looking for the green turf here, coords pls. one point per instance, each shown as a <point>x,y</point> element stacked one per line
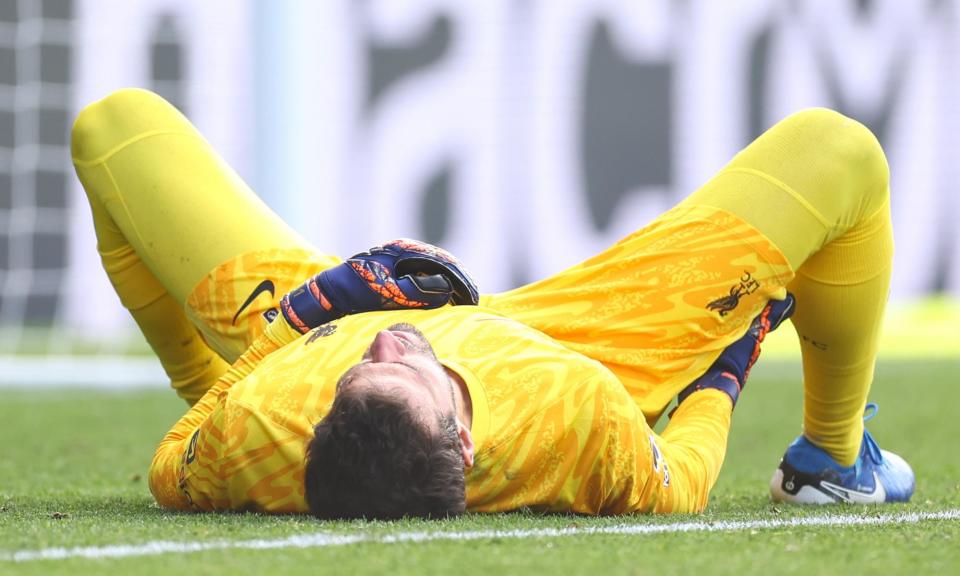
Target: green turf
<point>73,473</point>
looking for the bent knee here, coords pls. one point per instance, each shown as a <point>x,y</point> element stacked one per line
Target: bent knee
<point>104,126</point>
<point>856,156</point>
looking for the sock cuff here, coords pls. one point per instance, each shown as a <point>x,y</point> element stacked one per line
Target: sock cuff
<point>859,255</point>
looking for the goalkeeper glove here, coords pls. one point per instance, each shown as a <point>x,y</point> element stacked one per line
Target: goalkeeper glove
<point>730,371</point>
<point>401,274</point>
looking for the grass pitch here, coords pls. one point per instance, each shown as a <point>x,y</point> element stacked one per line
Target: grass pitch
<point>73,474</point>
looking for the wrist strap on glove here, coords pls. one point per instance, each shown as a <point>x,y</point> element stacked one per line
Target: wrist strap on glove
<point>403,274</point>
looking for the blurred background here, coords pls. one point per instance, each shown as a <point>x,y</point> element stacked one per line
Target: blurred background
<point>523,135</point>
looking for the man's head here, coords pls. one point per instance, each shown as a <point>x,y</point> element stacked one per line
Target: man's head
<point>392,445</point>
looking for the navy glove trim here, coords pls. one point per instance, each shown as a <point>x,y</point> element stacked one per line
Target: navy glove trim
<point>730,370</point>
<point>403,274</point>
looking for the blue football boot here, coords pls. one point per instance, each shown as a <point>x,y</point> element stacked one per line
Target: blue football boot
<point>808,475</point>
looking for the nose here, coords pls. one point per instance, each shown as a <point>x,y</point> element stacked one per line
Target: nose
<point>386,347</point>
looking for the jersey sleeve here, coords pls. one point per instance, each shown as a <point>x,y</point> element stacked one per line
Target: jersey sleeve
<point>673,472</point>
<point>203,425</point>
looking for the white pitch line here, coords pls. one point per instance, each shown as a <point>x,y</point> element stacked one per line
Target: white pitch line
<point>326,539</point>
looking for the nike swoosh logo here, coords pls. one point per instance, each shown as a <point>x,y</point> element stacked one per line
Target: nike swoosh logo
<point>856,496</point>
<point>265,286</point>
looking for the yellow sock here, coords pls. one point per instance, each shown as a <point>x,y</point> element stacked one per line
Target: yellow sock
<point>191,366</point>
<point>845,287</point>
<point>817,185</point>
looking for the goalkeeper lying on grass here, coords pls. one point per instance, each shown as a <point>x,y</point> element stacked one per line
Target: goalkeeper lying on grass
<point>384,386</point>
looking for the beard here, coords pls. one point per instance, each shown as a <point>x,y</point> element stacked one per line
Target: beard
<point>418,343</point>
<point>412,339</point>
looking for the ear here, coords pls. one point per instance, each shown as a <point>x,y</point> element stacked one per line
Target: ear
<point>466,444</point>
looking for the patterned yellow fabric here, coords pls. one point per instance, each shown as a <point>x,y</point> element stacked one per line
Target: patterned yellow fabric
<point>221,305</point>
<point>658,307</point>
<point>557,371</point>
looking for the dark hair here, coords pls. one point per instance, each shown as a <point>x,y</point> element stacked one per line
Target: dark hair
<point>370,457</point>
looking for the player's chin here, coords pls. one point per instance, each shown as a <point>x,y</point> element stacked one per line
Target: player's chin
<point>406,327</point>
<point>418,342</point>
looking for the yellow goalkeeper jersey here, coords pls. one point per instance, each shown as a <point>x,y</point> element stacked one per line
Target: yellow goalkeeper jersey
<point>553,429</point>
<point>563,375</point>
